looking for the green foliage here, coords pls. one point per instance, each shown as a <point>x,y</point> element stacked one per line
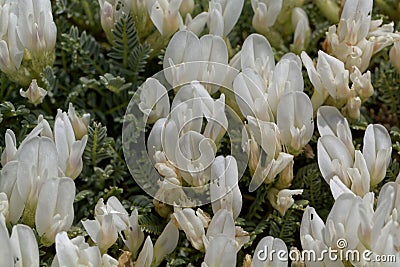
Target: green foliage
<point>127,50</point>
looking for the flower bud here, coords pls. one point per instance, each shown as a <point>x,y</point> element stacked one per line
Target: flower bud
<point>166,243</point>
<point>302,31</point>
<point>80,125</point>
<point>133,235</point>
<point>35,94</point>
<point>55,211</point>
<point>192,225</point>
<point>145,257</point>
<point>10,150</point>
<point>394,54</point>
<point>69,149</point>
<point>166,17</point>
<point>186,7</point>
<point>221,252</point>
<point>282,200</point>
<point>265,13</point>
<point>352,108</point>
<point>362,83</point>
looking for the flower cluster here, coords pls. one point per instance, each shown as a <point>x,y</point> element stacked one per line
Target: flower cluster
<point>27,39</point>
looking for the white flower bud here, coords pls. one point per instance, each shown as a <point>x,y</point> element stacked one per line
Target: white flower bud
<point>224,189</point>
<point>192,225</point>
<point>166,243</point>
<point>302,31</point>
<point>69,149</point>
<point>35,94</point>
<point>145,257</point>
<point>282,200</point>
<point>154,101</point>
<point>265,13</point>
<point>55,211</point>
<point>80,125</point>
<point>377,152</point>
<point>362,83</point>
<point>166,17</point>
<point>186,7</point>
<point>10,149</point>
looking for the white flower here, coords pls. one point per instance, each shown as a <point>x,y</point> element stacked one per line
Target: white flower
<point>287,77</point>
<point>166,17</point>
<point>265,13</point>
<point>191,224</point>
<point>27,27</point>
<point>312,236</point>
<point>55,211</point>
<point>377,152</point>
<point>196,24</point>
<point>214,55</point>
<point>223,16</point>
<point>224,188</point>
<point>179,52</point>
<point>302,31</point>
<point>357,38</point>
<point>133,236</point>
<point>329,78</point>
<point>35,94</point>
<point>282,200</point>
<point>394,54</point>
<point>166,243</point>
<point>80,125</point>
<point>21,249</point>
<point>154,101</point>
<point>10,149</point>
<point>145,257</point>
<point>221,224</point>
<point>23,177</point>
<point>109,220</point>
<point>262,253</point>
<point>266,157</point>
<point>257,54</point>
<point>75,252</point>
<point>186,7</point>
<point>331,122</point>
<point>295,120</point>
<point>110,12</point>
<point>334,159</point>
<point>362,83</point>
<point>221,252</point>
<point>69,149</point>
<point>251,96</point>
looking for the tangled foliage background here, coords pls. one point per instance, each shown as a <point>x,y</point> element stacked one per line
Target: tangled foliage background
<point>99,78</point>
